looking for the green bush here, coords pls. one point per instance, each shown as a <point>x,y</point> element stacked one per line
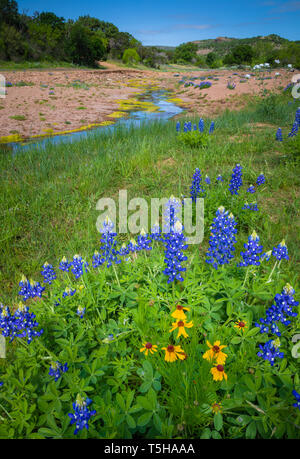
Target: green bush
<point>131,56</point>
<point>193,139</point>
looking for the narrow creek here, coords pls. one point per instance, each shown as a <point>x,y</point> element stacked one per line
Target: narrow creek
<point>159,98</point>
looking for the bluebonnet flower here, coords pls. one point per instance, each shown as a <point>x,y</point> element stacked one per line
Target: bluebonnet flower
<point>48,273</point>
<point>220,178</point>
<point>196,188</point>
<point>251,206</point>
<point>1,383</point>
<point>288,86</point>
<point>269,351</point>
<point>266,256</point>
<point>222,239</point>
<point>21,324</point>
<point>178,126</point>
<point>260,180</point>
<point>185,127</point>
<point>174,243</point>
<point>294,130</point>
<point>195,127</point>
<point>170,214</point>
<point>280,251</point>
<point>297,397</point>
<point>201,125</point>
<point>207,180</point>
<point>108,254</point>
<point>80,311</point>
<point>189,126</point>
<point>56,369</point>
<point>65,265</point>
<point>68,292</point>
<point>144,241</point>
<point>279,312</point>
<point>236,180</point>
<point>30,289</point>
<point>78,264</point>
<point>82,414</point>
<point>156,232</point>
<point>279,135</point>
<point>253,250</point>
<point>212,127</point>
<point>251,189</point>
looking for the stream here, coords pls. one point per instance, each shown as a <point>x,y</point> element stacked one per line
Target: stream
<point>167,110</point>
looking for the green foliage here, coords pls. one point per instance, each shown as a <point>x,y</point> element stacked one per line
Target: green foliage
<point>131,56</point>
<point>186,52</point>
<point>193,139</point>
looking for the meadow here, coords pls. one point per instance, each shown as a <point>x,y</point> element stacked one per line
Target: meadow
<point>115,346</point>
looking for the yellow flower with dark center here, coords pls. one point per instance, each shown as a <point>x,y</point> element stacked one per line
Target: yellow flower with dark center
<point>179,312</point>
<point>173,353</point>
<point>180,325</point>
<point>216,407</point>
<point>218,373</point>
<point>148,347</point>
<point>215,353</point>
<point>241,325</point>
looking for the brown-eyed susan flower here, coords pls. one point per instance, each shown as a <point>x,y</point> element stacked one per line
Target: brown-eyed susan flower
<point>148,347</point>
<point>179,312</point>
<point>180,325</point>
<point>218,373</point>
<point>241,325</point>
<point>173,353</point>
<point>215,353</point>
<point>216,407</point>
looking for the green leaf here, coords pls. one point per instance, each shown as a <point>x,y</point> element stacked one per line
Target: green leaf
<point>130,421</point>
<point>251,430</point>
<point>206,434</point>
<point>144,419</point>
<point>218,421</point>
<point>236,340</point>
<point>120,402</point>
<point>157,422</point>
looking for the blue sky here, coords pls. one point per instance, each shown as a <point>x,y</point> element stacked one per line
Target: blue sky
<point>171,22</point>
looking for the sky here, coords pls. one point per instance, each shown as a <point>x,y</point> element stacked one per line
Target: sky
<point>171,22</point>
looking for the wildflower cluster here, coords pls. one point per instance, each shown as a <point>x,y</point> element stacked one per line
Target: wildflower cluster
<point>48,273</point>
<point>269,351</point>
<point>280,252</point>
<point>56,369</point>
<point>279,312</point>
<point>82,414</point>
<point>253,250</point>
<point>30,289</point>
<point>21,324</point>
<point>175,243</point>
<point>236,180</point>
<point>108,254</point>
<point>222,239</point>
<point>216,356</point>
<point>260,180</point>
<point>251,206</point>
<point>196,188</point>
<point>78,265</point>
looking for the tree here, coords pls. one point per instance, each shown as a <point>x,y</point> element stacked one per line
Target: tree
<point>210,58</point>
<point>186,52</point>
<point>9,12</point>
<point>242,54</point>
<point>131,56</point>
<point>85,47</point>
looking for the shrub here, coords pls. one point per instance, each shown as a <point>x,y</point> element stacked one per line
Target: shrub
<point>193,139</point>
<point>130,56</point>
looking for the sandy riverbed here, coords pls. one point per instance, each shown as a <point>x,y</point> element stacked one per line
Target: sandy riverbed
<point>64,100</point>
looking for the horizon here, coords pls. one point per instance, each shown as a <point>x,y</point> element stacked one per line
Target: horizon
<point>172,27</point>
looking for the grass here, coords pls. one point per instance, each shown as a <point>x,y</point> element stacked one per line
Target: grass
<point>9,65</point>
<point>48,198</point>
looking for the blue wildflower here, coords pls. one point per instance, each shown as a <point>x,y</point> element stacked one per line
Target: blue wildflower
<point>269,351</point>
<point>174,243</point>
<point>56,369</point>
<point>260,180</point>
<point>201,125</point>
<point>196,188</point>
<point>212,127</point>
<point>178,126</point>
<point>82,414</point>
<point>108,254</point>
<point>220,178</point>
<point>252,206</point>
<point>297,397</point>
<point>21,324</point>
<point>78,265</point>
<point>236,180</point>
<point>144,241</point>
<point>279,135</point>
<point>294,130</point>
<point>48,273</point>
<point>280,252</point>
<point>222,239</point>
<point>68,292</point>
<point>80,311</point>
<point>170,214</point>
<point>207,180</point>
<point>253,250</point>
<point>65,265</point>
<point>297,116</point>
<point>251,189</point>
<point>30,289</point>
